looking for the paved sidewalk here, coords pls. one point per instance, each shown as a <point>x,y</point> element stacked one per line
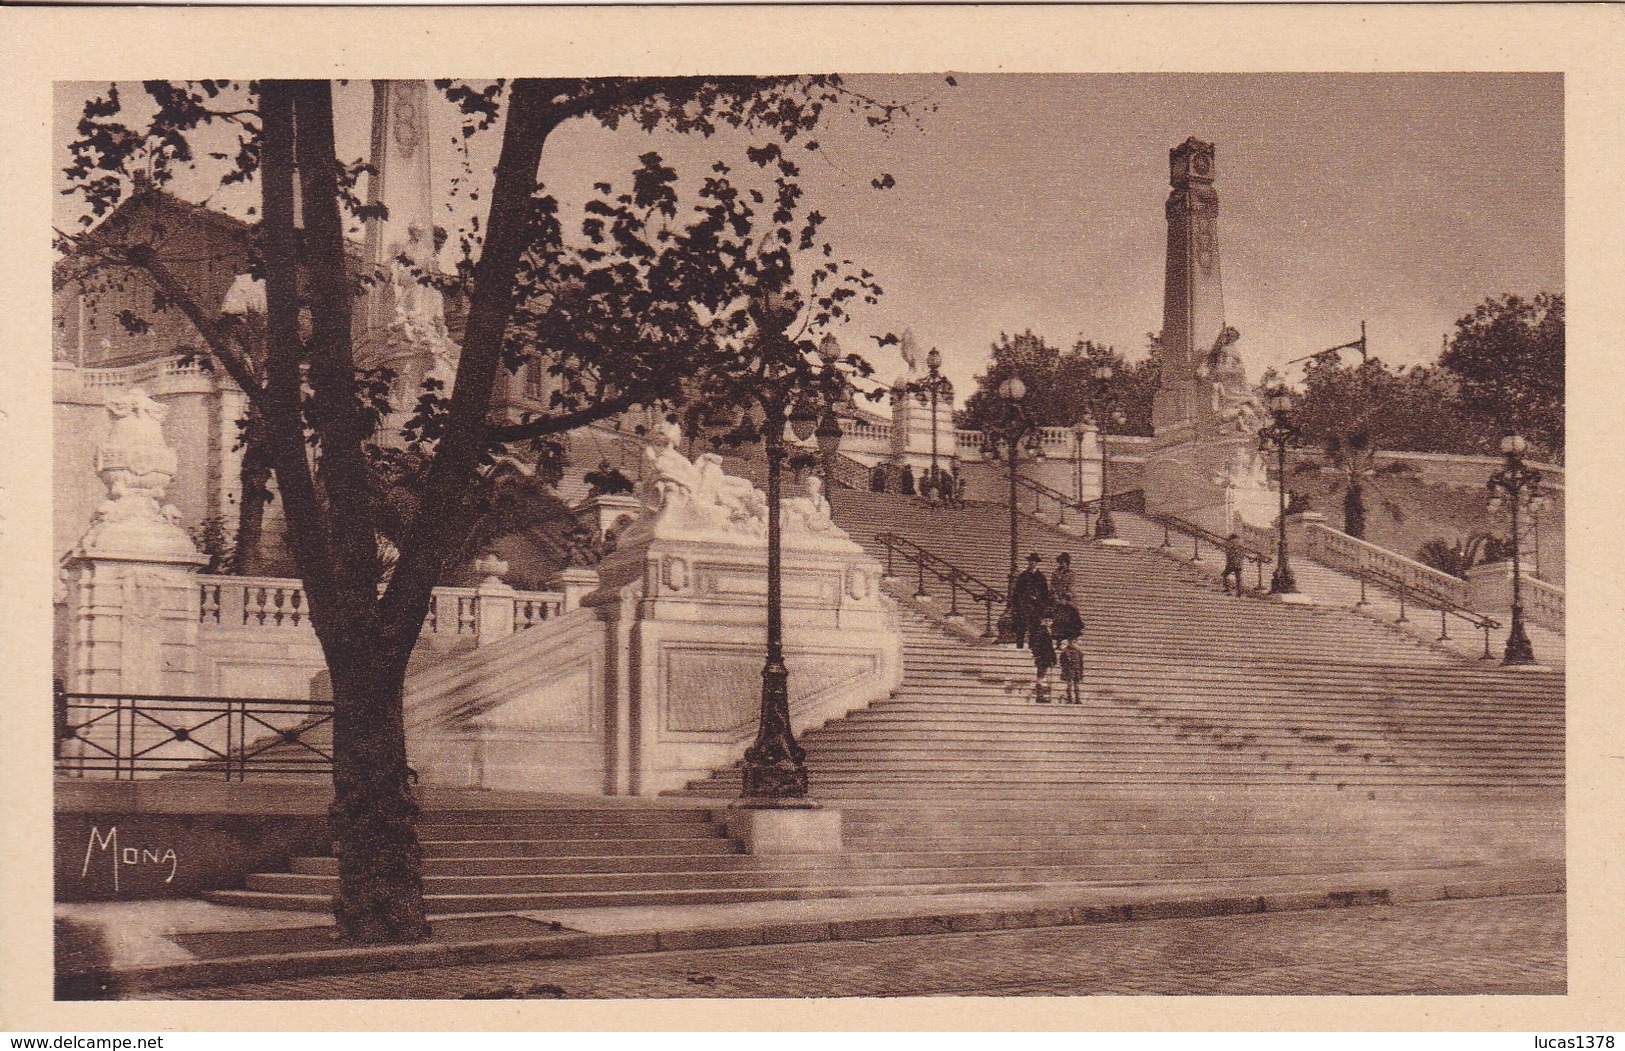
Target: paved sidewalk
<point>1487,946</point>
<point>147,941</point>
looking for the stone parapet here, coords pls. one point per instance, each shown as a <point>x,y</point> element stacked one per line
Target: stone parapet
<point>656,679</point>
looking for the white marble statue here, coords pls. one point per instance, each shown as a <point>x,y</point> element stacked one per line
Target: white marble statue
<point>1235,407</point>
<point>699,498</point>
<point>137,465</point>
<point>809,513</point>
<point>420,310</point>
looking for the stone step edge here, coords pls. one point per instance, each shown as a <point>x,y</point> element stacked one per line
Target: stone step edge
<point>572,944</point>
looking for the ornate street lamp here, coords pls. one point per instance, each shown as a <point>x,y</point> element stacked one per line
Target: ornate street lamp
<point>775,765</point>
<point>1105,528</point>
<point>828,432</point>
<point>1080,431</point>
<point>1516,482</point>
<point>1017,434</point>
<point>1280,434</point>
<point>927,391</point>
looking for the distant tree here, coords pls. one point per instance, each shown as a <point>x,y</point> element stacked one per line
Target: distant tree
<point>607,480</point>
<point>1507,358</point>
<point>1352,413</point>
<point>1061,384</point>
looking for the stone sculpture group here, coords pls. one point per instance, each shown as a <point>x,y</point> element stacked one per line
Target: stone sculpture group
<point>699,497</point>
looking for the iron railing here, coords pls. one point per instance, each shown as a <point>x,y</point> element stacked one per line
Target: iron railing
<point>1409,594</point>
<point>1198,536</point>
<point>129,735</point>
<point>959,582</point>
<point>1060,504</point>
<point>1044,496</point>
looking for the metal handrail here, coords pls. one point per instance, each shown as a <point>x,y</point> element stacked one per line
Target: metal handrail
<point>1041,491</point>
<point>1446,608</point>
<point>130,733</point>
<point>1173,524</point>
<point>957,579</point>
<point>1122,500</point>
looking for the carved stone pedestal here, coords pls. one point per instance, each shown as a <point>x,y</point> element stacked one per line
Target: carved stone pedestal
<point>133,594</point>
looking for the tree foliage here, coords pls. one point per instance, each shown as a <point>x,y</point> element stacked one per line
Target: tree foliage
<point>1061,385</point>
<point>1507,358</point>
<point>1353,413</point>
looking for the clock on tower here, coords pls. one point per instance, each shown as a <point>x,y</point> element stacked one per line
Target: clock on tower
<point>1191,162</point>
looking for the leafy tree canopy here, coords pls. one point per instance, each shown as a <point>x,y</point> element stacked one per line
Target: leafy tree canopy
<point>1507,358</point>
<point>1061,385</point>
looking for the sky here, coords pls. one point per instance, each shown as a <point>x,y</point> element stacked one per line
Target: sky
<point>1036,201</point>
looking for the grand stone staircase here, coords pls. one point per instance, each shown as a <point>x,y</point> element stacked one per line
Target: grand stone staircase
<point>1219,738</point>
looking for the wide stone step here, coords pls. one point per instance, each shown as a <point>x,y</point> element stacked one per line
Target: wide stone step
<point>530,847</point>
<point>834,789</point>
<point>464,903</point>
<point>1022,715</point>
<point>1034,760</point>
<point>541,828</point>
<point>852,872</point>
<point>949,852</point>
<point>1187,665</point>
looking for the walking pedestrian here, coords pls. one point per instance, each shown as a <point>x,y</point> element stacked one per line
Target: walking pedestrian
<point>1066,623</point>
<point>1029,600</point>
<point>1060,581</point>
<point>1072,671</point>
<point>1043,647</point>
<point>1234,559</point>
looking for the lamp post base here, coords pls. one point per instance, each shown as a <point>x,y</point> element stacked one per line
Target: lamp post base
<point>1518,649</point>
<point>775,766</point>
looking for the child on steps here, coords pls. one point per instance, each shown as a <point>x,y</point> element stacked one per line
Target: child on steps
<point>1072,671</point>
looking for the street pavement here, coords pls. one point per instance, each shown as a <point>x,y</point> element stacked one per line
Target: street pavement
<point>1481,946</point>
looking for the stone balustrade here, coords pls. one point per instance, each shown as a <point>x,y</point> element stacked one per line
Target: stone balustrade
<point>274,603</point>
<point>865,431</point>
<point>1341,551</point>
<point>1547,603</point>
<point>1544,603</point>
<point>166,376</point>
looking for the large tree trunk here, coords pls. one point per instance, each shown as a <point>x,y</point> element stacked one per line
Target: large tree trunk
<point>332,524</point>
<point>374,812</point>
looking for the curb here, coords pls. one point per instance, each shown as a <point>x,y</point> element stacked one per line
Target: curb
<point>361,959</point>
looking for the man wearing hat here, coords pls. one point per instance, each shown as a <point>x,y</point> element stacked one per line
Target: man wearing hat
<point>1029,600</point>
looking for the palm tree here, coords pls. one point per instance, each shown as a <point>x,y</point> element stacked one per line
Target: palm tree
<point>1351,459</point>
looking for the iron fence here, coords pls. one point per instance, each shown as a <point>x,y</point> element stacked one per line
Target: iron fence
<point>129,736</point>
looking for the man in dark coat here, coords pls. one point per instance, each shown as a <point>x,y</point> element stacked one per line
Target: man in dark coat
<point>1234,562</point>
<point>1029,600</point>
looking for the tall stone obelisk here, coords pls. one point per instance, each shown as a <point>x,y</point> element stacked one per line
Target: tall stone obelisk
<point>404,319</point>
<point>1203,464</point>
<point>1193,295</point>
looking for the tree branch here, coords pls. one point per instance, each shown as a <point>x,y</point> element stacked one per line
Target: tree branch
<point>284,417</point>
<point>236,361</point>
<point>222,344</point>
<point>445,517</point>
<point>543,426</point>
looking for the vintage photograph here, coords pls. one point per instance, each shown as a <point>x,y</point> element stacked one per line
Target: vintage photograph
<point>872,535</point>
